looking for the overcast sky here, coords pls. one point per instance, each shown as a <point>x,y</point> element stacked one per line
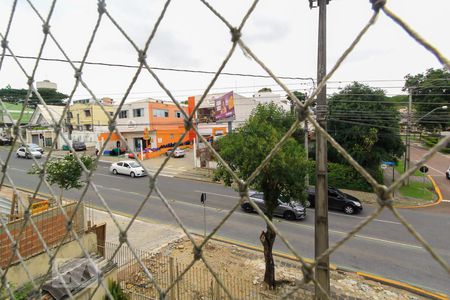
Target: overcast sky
<point>283,34</point>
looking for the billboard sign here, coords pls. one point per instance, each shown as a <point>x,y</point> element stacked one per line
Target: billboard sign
<point>224,106</point>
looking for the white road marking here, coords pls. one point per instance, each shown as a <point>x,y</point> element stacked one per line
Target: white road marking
<point>233,197</point>
<point>446,201</point>
<point>357,217</point>
<point>439,171</point>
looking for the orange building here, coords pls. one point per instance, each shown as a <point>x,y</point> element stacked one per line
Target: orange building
<point>150,123</point>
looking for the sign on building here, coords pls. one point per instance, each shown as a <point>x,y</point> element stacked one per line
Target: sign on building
<point>224,107</point>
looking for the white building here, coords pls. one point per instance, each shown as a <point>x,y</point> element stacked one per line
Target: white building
<point>46,84</point>
<point>243,107</point>
<point>40,127</point>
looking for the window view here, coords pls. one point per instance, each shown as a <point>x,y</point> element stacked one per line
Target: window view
<point>178,114</point>
<point>123,114</point>
<point>87,112</point>
<point>138,112</point>
<point>161,113</point>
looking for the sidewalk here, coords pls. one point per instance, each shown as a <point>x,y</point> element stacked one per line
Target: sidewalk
<point>145,235</point>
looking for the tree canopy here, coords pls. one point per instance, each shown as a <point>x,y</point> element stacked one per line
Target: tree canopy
<point>365,124</point>
<point>51,96</point>
<point>65,172</point>
<point>430,91</point>
<point>282,178</point>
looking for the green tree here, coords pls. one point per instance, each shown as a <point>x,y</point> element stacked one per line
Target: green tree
<point>430,90</point>
<point>366,125</point>
<point>282,178</point>
<point>265,90</point>
<point>65,172</point>
<point>51,96</point>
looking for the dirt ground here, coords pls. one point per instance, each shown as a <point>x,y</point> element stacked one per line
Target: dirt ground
<point>232,262</point>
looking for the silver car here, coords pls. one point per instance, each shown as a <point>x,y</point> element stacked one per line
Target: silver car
<point>289,211</point>
<point>23,152</point>
<point>127,167</point>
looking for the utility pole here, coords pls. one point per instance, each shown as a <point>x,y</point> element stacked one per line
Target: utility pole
<point>408,137</point>
<point>322,273</point>
<point>306,153</point>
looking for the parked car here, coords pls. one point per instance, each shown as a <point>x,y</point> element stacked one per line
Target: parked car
<point>289,211</point>
<point>447,173</point>
<point>35,147</point>
<point>177,153</point>
<point>337,200</point>
<point>78,146</point>
<point>127,167</point>
<point>4,141</point>
<point>23,152</point>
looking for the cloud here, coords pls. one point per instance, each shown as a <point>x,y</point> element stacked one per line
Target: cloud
<point>264,30</point>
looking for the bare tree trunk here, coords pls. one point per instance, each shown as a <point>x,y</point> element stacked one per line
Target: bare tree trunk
<point>267,239</point>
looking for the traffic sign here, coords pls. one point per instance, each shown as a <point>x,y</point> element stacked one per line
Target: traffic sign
<point>423,169</point>
<point>389,163</point>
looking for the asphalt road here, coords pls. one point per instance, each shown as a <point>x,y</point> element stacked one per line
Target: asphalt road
<point>437,165</point>
<point>384,247</point>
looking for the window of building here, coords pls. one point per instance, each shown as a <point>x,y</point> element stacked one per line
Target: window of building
<point>123,114</point>
<point>161,113</point>
<point>138,112</point>
<point>87,112</point>
<point>171,136</point>
<point>111,113</point>
<point>178,114</point>
<point>87,127</point>
<point>69,115</point>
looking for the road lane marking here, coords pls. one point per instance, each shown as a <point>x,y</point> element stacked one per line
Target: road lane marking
<point>228,196</point>
<point>439,171</point>
<point>357,217</point>
<point>445,200</point>
<point>333,213</point>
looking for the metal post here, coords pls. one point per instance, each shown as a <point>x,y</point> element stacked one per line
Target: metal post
<point>321,212</point>
<point>306,153</point>
<point>204,220</point>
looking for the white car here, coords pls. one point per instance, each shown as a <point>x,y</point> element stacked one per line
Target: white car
<point>127,167</point>
<point>176,153</point>
<point>447,173</point>
<point>23,152</point>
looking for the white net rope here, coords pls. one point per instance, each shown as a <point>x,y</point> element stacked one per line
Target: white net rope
<point>384,193</point>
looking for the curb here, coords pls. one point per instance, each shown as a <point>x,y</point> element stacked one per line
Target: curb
<point>394,283</point>
<point>437,190</point>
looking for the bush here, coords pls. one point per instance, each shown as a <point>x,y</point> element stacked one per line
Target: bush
<point>344,177</point>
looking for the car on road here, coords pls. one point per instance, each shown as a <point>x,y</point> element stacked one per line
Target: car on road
<point>289,211</point>
<point>79,146</point>
<point>447,173</point>
<point>127,167</point>
<point>177,153</point>
<point>22,152</point>
<point>4,141</point>
<point>337,200</point>
<point>35,147</point>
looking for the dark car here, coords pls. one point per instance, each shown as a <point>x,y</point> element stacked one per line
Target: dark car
<point>79,146</point>
<point>337,200</point>
<point>289,211</point>
<point>4,141</point>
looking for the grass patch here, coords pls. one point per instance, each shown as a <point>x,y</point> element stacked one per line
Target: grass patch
<point>401,167</point>
<point>418,190</point>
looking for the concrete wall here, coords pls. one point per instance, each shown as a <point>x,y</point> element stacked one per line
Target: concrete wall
<point>38,265</point>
